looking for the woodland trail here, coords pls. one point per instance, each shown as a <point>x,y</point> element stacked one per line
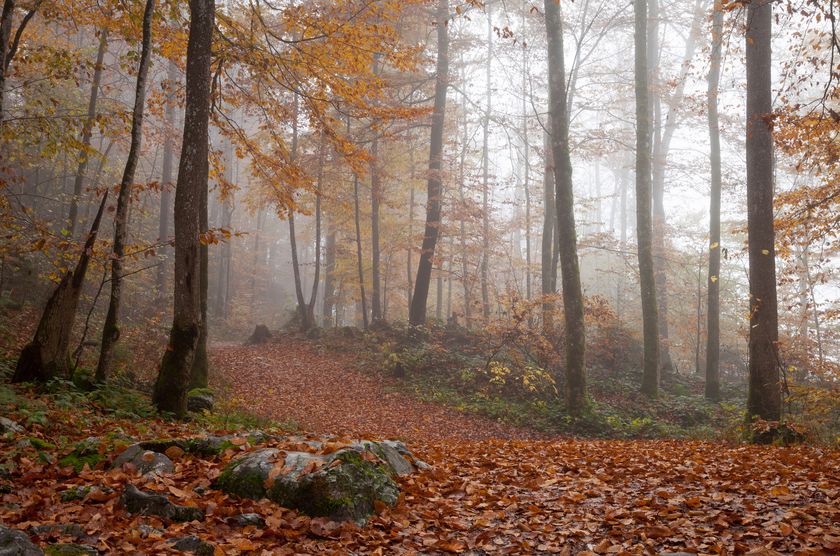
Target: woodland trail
<point>322,393</point>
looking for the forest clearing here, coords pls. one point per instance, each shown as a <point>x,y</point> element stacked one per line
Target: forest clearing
<point>419,277</point>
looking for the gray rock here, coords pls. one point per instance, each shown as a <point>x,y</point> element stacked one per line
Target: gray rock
<point>244,520</point>
<point>145,503</point>
<point>7,426</point>
<point>342,486</point>
<point>200,402</point>
<point>400,461</point>
<point>71,549</point>
<point>194,544</point>
<point>146,461</point>
<point>59,529</point>
<point>17,543</point>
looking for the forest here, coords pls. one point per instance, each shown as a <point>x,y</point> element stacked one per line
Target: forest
<point>419,277</point>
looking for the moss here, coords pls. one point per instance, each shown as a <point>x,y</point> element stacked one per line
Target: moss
<point>78,461</point>
<point>73,494</point>
<point>69,550</point>
<point>201,392</point>
<point>243,484</point>
<point>40,444</point>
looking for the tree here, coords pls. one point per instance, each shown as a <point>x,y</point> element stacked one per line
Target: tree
<point>110,330</point>
<point>9,45</point>
<point>46,356</point>
<point>166,174</point>
<point>644,228</point>
<point>170,392</point>
<point>575,333</point>
<point>434,185</point>
<point>87,132</point>
<point>713,286</point>
<point>764,398</point>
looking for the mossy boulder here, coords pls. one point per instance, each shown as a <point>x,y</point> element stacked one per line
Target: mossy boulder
<point>145,461</point>
<point>342,486</point>
<point>7,426</point>
<point>146,503</point>
<point>18,543</point>
<point>200,399</point>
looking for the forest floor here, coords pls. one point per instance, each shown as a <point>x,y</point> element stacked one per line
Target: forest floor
<point>492,488</point>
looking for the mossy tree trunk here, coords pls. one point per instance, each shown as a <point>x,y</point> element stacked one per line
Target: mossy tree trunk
<point>46,356</point>
<point>170,392</point>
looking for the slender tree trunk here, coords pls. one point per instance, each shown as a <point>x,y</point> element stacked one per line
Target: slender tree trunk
<point>87,132</point>
<point>329,277</point>
<point>46,356</point>
<point>526,154</point>
<point>764,398</point>
<point>166,177</point>
<point>575,334</point>
<point>619,294</point>
<point>110,330</point>
<point>200,375</point>
<point>375,194</point>
<point>409,265</point>
<point>226,207</point>
<point>698,323</point>
<point>485,174</point>
<point>417,314</point>
<point>549,268</point>
<point>6,21</point>
<point>713,286</point>
<point>361,270</point>
<point>644,231</point>
<point>170,393</point>
<point>316,278</point>
<point>465,276</point>
<point>256,264</point>
<point>306,320</point>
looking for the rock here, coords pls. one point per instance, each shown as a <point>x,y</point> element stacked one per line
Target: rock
<point>200,400</point>
<point>85,452</point>
<point>147,531</point>
<point>17,543</point>
<point>59,530</point>
<point>244,520</point>
<point>144,503</point>
<point>195,545</point>
<point>146,461</point>
<point>7,426</point>
<point>395,454</point>
<point>342,486</point>
<point>260,336</point>
<point>71,549</point>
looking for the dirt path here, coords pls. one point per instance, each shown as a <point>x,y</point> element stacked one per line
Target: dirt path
<point>322,393</point>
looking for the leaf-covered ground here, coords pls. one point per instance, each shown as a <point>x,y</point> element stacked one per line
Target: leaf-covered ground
<point>491,491</point>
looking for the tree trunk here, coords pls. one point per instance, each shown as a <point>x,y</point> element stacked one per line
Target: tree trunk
<point>575,334</point>
<point>713,293</point>
<point>316,278</point>
<point>644,232</point>
<point>375,253</point>
<point>485,174</point>
<point>170,392</point>
<point>110,330</point>
<point>549,269</point>
<point>764,399</point>
<point>166,177</point>
<point>434,186</point>
<point>9,49</point>
<point>306,319</point>
<point>46,356</point>
<point>87,131</point>
<point>329,276</point>
<point>361,270</point>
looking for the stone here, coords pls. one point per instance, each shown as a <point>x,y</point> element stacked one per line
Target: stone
<point>7,426</point>
<point>144,503</point>
<point>395,454</point>
<point>342,486</point>
<point>17,543</point>
<point>244,520</point>
<point>193,544</point>
<point>260,336</point>
<point>146,461</point>
<point>59,530</point>
<point>70,549</point>
<point>202,401</point>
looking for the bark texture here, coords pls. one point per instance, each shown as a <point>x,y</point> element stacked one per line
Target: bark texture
<point>170,392</point>
<point>434,186</point>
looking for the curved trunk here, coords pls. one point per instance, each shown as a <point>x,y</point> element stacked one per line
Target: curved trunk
<point>110,330</point>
